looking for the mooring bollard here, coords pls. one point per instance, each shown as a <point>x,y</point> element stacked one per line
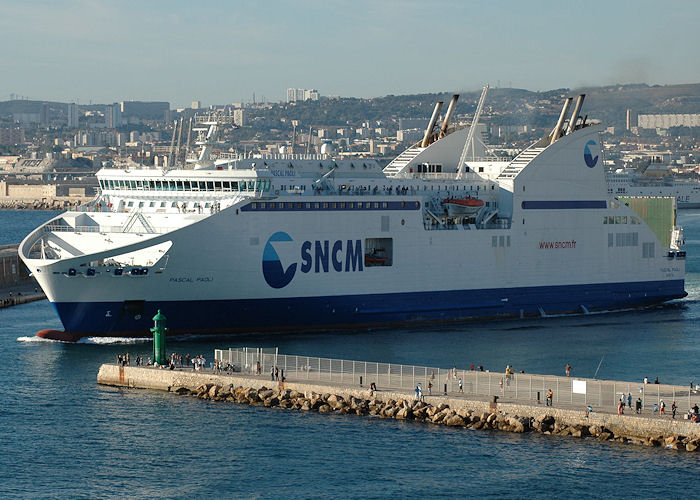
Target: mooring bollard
<point>159,330</point>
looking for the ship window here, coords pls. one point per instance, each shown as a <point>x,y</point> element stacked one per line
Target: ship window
<point>290,204</point>
<point>501,241</point>
<point>342,205</point>
<point>234,185</point>
<point>605,219</point>
<point>162,204</point>
<point>379,252</point>
<point>351,205</point>
<point>226,185</point>
<point>130,204</point>
<point>210,186</point>
<point>618,219</point>
<point>217,185</point>
<point>316,205</point>
<point>140,204</point>
<point>384,205</point>
<point>139,184</point>
<point>481,169</point>
<point>325,205</point>
<point>359,204</point>
<point>153,204</point>
<point>494,241</point>
<point>634,220</point>
<point>307,205</point>
<point>624,219</point>
<point>508,240</point>
<point>648,250</point>
<point>610,240</point>
<point>262,204</point>
<point>173,204</point>
<point>251,185</point>
<point>207,205</point>
<point>333,205</point>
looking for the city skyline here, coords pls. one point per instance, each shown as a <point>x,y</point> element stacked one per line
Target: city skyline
<point>101,52</point>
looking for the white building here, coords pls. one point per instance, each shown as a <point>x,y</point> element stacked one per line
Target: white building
<point>239,117</point>
<point>113,115</point>
<point>73,115</point>
<point>669,120</point>
<point>294,95</point>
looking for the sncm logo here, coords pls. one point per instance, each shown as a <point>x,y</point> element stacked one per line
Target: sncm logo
<point>588,156</point>
<point>320,256</point>
<point>273,271</point>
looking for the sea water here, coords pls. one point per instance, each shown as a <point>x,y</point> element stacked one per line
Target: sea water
<point>65,436</point>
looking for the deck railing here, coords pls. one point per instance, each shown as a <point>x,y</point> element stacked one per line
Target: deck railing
<point>576,391</point>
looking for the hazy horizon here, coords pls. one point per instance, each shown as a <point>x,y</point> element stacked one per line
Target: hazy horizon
<point>175,51</point>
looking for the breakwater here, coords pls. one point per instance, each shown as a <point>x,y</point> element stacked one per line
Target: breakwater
<point>16,286</point>
<point>448,410</point>
<point>63,203</point>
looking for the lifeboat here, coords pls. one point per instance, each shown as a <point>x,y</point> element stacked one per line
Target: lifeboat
<point>462,206</point>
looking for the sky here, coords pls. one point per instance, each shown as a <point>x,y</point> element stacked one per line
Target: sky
<point>220,52</point>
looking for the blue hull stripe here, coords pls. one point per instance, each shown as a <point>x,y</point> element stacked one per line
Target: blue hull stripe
<point>563,205</point>
<point>285,314</point>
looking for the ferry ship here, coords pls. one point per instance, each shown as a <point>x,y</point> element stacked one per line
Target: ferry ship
<point>629,182</point>
<point>288,243</point>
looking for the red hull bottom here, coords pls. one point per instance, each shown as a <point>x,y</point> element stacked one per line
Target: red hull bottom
<point>58,335</point>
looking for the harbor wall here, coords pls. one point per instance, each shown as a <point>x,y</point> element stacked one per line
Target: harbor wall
<point>12,269</point>
<point>678,433</point>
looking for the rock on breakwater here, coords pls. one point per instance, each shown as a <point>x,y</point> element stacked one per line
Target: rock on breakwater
<point>440,410</point>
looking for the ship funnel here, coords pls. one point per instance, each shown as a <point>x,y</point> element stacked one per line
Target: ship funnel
<point>448,115</point>
<point>428,131</point>
<point>574,115</point>
<point>557,130</point>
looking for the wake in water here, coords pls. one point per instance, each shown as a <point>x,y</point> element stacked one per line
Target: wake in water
<point>90,340</point>
<point>114,340</point>
<point>38,339</point>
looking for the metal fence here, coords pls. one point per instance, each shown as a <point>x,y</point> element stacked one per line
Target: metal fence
<point>568,391</point>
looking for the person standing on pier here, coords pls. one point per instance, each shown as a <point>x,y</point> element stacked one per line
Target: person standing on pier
<point>461,386</point>
<point>272,373</point>
<point>629,400</point>
<point>673,410</point>
<point>567,369</point>
<point>550,397</point>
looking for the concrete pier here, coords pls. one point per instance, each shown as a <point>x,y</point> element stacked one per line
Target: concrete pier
<point>454,410</point>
